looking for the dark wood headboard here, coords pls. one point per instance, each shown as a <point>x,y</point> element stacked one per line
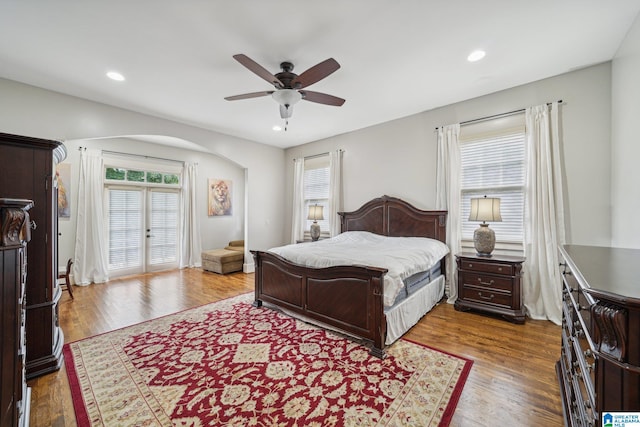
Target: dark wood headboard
<point>390,216</point>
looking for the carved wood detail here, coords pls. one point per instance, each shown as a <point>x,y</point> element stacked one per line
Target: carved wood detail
<point>610,332</point>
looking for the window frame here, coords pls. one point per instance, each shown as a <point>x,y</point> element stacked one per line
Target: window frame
<point>485,132</point>
<point>321,161</point>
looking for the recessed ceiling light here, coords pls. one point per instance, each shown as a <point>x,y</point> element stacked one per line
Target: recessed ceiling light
<point>476,55</point>
<point>276,128</point>
<point>114,75</point>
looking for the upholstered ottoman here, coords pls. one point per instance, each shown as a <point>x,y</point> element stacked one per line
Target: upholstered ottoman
<point>222,261</point>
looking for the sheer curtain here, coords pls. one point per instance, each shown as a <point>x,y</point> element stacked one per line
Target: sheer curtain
<point>448,197</point>
<point>544,215</point>
<point>297,216</point>
<point>90,255</point>
<point>191,243</point>
<point>335,191</point>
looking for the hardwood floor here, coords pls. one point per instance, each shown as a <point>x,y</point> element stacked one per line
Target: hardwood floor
<point>512,381</point>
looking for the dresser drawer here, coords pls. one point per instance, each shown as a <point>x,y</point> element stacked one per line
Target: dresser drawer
<point>487,296</point>
<point>487,267</point>
<point>487,281</point>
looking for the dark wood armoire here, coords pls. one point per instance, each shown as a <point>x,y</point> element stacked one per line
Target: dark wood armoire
<point>14,235</point>
<point>27,171</point>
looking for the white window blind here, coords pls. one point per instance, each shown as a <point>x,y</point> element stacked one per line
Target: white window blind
<point>164,221</point>
<point>493,166</point>
<point>125,228</point>
<point>316,191</point>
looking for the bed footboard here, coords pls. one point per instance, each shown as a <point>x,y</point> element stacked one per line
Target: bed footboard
<point>348,298</point>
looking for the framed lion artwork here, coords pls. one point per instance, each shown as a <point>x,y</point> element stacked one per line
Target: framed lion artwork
<point>219,197</point>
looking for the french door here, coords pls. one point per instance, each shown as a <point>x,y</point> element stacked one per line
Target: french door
<point>142,229</point>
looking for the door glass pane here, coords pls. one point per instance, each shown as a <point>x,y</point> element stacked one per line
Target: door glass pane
<point>125,229</point>
<point>163,245</point>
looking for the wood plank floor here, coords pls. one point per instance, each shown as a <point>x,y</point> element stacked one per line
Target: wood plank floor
<point>512,381</point>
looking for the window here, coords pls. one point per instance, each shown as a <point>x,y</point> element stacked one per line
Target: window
<point>493,164</point>
<point>316,191</point>
<point>130,175</point>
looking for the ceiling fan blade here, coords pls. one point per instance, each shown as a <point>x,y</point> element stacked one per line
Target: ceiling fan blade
<point>258,69</point>
<point>321,98</point>
<point>248,95</point>
<point>315,73</point>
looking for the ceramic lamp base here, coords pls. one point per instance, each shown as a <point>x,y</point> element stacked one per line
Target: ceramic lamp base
<point>314,231</point>
<point>484,240</point>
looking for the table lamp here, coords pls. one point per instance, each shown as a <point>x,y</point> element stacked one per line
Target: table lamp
<point>315,213</point>
<point>485,209</point>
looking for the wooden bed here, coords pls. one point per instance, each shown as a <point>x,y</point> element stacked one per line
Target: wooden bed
<point>348,298</point>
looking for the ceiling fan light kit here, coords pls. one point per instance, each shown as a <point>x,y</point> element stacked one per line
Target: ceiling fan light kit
<point>287,97</point>
<point>287,84</point>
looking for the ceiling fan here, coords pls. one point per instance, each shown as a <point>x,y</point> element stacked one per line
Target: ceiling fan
<point>289,87</point>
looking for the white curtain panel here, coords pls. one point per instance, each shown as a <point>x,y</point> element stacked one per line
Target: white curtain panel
<point>90,257</point>
<point>191,247</point>
<point>543,215</point>
<point>297,217</point>
<point>335,191</point>
<point>448,198</point>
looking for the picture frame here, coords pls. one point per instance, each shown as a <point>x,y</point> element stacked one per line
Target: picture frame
<point>220,197</point>
<point>63,177</point>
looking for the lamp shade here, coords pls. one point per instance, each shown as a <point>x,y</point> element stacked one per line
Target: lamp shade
<point>287,97</point>
<point>485,209</point>
<point>315,213</point>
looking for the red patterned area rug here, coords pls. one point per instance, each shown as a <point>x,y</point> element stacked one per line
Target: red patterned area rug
<point>231,364</point>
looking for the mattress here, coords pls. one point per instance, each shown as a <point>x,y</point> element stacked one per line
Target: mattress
<point>403,257</point>
<point>415,282</point>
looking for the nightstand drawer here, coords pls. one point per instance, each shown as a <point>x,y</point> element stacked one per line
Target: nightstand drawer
<point>488,267</point>
<point>487,296</point>
<point>486,281</point>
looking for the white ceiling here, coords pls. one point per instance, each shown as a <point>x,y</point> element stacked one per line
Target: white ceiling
<point>398,57</point>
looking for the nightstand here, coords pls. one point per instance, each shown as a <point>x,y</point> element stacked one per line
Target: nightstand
<point>491,284</point>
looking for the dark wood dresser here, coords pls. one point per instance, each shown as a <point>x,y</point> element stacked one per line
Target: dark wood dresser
<point>599,366</point>
<point>491,284</point>
<point>28,166</point>
<point>14,235</point>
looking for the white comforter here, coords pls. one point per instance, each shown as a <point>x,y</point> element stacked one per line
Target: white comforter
<point>402,256</point>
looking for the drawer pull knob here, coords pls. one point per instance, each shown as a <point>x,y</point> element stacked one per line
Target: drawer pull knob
<point>488,298</point>
<point>470,265</point>
<point>485,283</point>
<point>499,268</point>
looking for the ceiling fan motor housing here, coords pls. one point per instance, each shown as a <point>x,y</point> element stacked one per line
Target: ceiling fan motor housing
<point>286,76</point>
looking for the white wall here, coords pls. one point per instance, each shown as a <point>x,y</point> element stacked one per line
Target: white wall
<point>399,158</point>
<point>31,111</point>
<point>625,139</point>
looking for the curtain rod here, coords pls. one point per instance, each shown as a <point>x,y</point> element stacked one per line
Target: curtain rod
<point>313,156</point>
<point>142,156</point>
<point>496,116</point>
